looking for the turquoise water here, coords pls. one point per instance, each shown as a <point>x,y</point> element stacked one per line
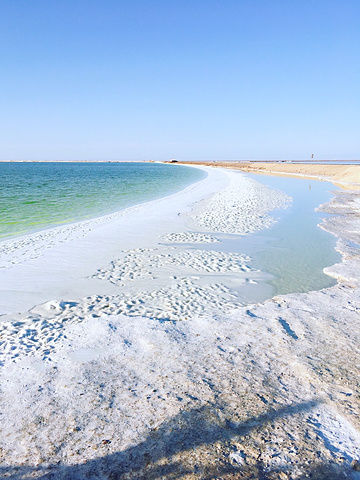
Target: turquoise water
<point>34,196</point>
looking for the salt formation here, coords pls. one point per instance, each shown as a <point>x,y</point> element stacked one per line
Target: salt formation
<point>242,207</point>
<point>189,237</point>
<point>104,388</point>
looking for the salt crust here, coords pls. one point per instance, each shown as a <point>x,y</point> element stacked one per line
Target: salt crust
<point>33,245</point>
<point>264,381</point>
<point>269,390</point>
<point>144,262</point>
<point>40,332</point>
<point>189,237</point>
<point>181,299</point>
<point>241,208</point>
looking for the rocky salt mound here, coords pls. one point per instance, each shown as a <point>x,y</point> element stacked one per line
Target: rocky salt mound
<point>267,392</point>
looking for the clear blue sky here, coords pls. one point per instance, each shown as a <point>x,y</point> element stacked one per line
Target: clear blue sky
<point>198,80</point>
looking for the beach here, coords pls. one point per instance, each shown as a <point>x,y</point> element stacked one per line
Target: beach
<point>344,176</point>
<point>127,354</point>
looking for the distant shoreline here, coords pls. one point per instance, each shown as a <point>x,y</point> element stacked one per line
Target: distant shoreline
<point>342,173</point>
<point>346,176</point>
<point>199,162</point>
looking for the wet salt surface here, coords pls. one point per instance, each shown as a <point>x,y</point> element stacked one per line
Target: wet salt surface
<point>91,389</point>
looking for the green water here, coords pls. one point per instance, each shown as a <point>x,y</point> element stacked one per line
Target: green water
<point>34,196</point>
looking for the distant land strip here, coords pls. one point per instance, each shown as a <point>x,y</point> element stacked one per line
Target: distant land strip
<point>345,176</point>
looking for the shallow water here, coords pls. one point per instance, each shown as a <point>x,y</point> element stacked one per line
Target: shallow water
<point>295,250</point>
<point>35,196</point>
<point>290,255</point>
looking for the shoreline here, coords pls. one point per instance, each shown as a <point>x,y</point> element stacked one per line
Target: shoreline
<point>264,389</point>
<point>343,176</point>
<point>36,250</point>
<point>98,218</point>
<point>99,213</point>
<point>48,255</point>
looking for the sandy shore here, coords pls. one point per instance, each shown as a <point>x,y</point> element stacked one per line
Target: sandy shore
<point>126,355</point>
<point>344,176</point>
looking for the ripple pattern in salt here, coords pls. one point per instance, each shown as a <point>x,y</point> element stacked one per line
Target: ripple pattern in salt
<point>241,208</point>
<point>140,263</point>
<point>44,327</point>
<point>190,237</point>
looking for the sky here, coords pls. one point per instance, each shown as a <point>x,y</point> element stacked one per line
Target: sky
<point>192,80</point>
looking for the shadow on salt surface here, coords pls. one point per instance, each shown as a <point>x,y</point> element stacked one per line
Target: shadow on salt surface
<point>199,427</point>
